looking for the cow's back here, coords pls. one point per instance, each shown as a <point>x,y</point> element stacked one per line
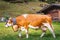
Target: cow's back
<point>38,19</point>
<point>32,19</point>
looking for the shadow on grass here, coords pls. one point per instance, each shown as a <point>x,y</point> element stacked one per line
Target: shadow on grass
<point>37,37</point>
<point>31,37</point>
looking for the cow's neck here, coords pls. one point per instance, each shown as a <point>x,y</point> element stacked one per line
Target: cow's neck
<point>14,21</point>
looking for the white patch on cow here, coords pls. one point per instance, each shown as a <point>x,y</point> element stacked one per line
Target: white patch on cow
<point>30,26</point>
<point>49,27</point>
<point>42,34</point>
<point>8,25</point>
<point>25,15</point>
<point>23,29</point>
<point>43,28</point>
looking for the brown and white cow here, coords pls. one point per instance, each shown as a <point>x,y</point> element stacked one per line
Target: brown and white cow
<point>35,21</point>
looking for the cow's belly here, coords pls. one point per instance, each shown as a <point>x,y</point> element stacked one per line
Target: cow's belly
<point>33,27</point>
<point>23,28</point>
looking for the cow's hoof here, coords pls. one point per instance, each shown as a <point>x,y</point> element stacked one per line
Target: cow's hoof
<point>19,37</point>
<point>54,37</point>
<point>26,37</point>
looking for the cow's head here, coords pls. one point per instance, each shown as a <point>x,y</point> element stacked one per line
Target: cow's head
<point>12,22</point>
<point>9,22</point>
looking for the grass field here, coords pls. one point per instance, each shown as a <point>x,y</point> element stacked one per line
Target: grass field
<point>15,9</point>
<point>9,34</point>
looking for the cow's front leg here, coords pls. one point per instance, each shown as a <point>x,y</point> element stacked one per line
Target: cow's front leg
<point>23,29</point>
<point>20,33</point>
<point>26,33</point>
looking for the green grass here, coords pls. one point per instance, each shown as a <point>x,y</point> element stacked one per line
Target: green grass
<point>9,34</point>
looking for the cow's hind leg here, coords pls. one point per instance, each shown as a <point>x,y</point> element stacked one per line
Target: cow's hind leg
<point>26,33</point>
<point>43,28</point>
<point>50,29</point>
<point>42,34</point>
